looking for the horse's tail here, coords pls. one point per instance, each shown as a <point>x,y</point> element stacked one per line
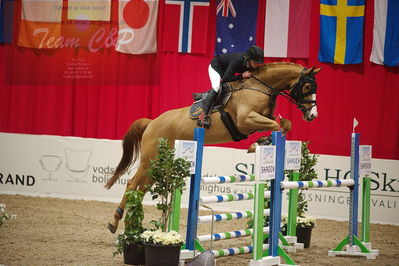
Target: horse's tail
<point>131,148</point>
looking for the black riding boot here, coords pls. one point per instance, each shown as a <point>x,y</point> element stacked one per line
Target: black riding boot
<point>208,101</point>
<point>207,104</point>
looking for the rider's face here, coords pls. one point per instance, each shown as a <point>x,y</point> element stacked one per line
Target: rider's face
<point>254,64</point>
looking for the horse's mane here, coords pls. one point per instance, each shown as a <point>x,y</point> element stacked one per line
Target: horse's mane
<point>281,63</point>
<point>277,64</point>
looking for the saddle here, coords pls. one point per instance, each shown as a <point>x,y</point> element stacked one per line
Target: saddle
<point>196,110</point>
<point>220,101</point>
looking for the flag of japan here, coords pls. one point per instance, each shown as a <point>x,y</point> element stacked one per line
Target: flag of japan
<point>287,28</point>
<point>137,26</point>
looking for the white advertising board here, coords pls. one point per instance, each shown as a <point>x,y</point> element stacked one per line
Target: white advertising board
<point>365,158</point>
<point>187,149</point>
<point>265,165</point>
<point>78,168</point>
<point>293,155</point>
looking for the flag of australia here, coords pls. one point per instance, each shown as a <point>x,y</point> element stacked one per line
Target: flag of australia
<point>235,25</point>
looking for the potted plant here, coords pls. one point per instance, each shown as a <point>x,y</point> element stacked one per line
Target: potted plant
<point>130,242</point>
<point>5,216</point>
<point>305,223</point>
<point>168,175</point>
<point>162,248</point>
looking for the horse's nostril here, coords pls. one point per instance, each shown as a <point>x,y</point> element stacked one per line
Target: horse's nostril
<point>313,116</point>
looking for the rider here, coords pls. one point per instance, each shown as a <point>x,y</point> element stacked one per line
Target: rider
<point>223,68</point>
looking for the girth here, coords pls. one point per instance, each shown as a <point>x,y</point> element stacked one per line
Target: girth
<point>230,125</point>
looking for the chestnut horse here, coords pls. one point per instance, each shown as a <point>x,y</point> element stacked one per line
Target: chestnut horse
<point>251,107</point>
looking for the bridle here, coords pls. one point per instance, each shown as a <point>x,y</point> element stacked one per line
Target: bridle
<point>294,93</point>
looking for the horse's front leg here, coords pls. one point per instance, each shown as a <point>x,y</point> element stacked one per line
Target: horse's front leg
<point>254,121</point>
<point>285,125</point>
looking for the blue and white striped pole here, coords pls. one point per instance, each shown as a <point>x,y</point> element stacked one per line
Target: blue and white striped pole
<point>229,216</point>
<point>227,179</point>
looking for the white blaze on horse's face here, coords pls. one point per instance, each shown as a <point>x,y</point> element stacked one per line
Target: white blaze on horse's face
<point>311,108</point>
<point>312,112</point>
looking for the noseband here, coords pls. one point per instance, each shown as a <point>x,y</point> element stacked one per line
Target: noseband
<point>295,94</point>
<point>298,96</point>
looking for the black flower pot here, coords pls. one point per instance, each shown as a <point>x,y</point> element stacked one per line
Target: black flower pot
<point>303,235</point>
<point>133,254</point>
<point>161,255</point>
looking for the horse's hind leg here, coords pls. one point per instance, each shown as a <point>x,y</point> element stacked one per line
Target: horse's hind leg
<point>139,181</point>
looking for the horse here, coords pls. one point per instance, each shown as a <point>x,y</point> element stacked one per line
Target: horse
<point>250,106</point>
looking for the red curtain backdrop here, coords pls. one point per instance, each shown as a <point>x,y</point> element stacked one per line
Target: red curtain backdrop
<point>39,97</point>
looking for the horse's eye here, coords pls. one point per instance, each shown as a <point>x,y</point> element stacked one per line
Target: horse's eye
<point>306,88</point>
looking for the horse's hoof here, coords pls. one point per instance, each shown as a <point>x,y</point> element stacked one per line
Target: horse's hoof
<point>251,148</point>
<point>111,228</point>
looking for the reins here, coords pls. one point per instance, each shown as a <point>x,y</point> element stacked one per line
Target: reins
<point>292,94</point>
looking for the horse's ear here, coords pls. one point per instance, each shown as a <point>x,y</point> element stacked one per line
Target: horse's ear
<point>314,70</point>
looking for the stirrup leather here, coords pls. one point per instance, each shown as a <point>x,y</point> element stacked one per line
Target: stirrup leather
<point>204,121</point>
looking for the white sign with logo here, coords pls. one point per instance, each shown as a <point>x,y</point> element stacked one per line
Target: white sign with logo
<point>265,163</point>
<point>187,149</point>
<point>293,155</point>
<point>365,152</point>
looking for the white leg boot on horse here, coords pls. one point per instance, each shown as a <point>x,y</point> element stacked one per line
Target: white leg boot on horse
<point>250,107</point>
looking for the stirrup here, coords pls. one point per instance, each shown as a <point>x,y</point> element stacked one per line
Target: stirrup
<point>204,121</point>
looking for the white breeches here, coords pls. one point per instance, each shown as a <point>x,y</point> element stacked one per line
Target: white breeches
<point>215,78</point>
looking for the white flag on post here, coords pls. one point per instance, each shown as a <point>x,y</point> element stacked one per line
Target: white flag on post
<point>355,123</point>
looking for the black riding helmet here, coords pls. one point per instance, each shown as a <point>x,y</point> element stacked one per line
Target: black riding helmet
<point>255,53</point>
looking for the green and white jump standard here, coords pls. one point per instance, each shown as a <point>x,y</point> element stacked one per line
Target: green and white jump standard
<point>193,242</point>
<point>351,245</point>
<point>272,253</point>
<point>364,171</point>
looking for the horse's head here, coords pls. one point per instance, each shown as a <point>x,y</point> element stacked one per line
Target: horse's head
<point>292,81</point>
<point>303,93</point>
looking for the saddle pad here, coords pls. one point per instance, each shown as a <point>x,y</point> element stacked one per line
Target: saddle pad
<point>197,107</point>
